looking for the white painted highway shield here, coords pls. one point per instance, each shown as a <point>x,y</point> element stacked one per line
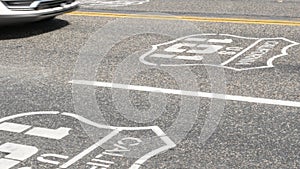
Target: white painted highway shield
<point>236,52</point>
<point>56,140</point>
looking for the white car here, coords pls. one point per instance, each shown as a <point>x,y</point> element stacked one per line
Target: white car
<point>19,11</point>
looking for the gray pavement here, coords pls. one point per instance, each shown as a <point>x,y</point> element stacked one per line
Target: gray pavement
<point>288,9</point>
<point>232,100</point>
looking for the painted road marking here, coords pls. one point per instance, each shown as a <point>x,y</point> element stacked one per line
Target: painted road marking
<point>14,153</point>
<point>13,127</point>
<point>236,52</point>
<point>188,18</point>
<point>242,52</point>
<point>43,158</point>
<point>90,149</point>
<point>56,134</point>
<point>35,131</point>
<point>111,3</point>
<point>189,93</point>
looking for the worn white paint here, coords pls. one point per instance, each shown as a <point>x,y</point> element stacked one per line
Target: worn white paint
<point>44,158</point>
<point>189,93</point>
<point>168,142</point>
<point>90,149</point>
<point>242,52</point>
<point>35,131</point>
<point>56,134</point>
<point>17,150</point>
<point>203,45</point>
<point>7,163</point>
<point>17,153</point>
<point>13,127</point>
<point>111,3</point>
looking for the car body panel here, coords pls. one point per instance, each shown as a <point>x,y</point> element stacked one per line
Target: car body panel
<point>9,16</point>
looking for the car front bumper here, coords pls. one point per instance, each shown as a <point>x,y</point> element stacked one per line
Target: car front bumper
<point>8,16</point>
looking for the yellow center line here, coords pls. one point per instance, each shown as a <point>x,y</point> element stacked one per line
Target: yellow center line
<point>188,18</point>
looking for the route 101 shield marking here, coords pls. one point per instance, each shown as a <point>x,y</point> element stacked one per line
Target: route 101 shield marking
<point>236,52</point>
<point>43,140</point>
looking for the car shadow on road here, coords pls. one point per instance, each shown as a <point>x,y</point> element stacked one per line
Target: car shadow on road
<point>31,29</point>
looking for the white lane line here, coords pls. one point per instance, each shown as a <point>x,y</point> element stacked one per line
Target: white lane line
<point>90,149</point>
<point>189,93</point>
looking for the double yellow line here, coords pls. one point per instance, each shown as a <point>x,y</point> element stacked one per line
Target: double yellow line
<point>188,18</point>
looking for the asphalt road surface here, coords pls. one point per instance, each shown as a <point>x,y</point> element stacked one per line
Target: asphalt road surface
<point>153,84</point>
